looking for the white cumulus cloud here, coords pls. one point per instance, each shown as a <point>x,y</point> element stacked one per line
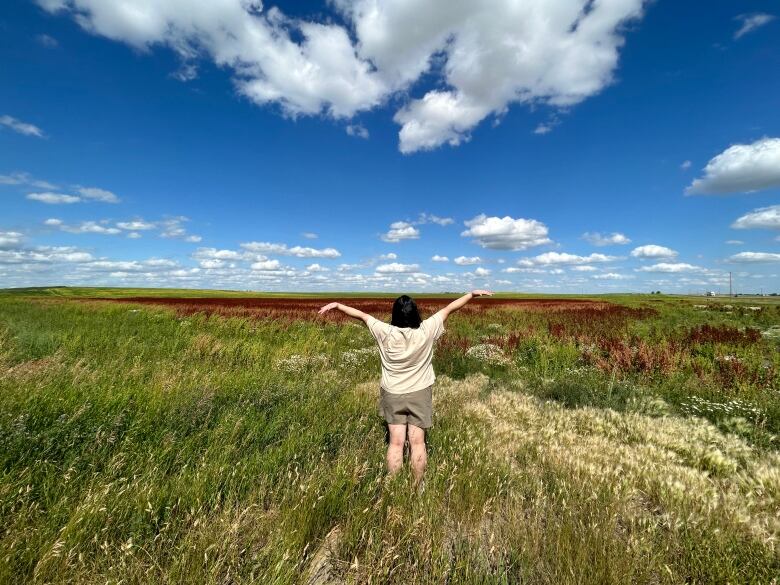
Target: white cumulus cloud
<point>763,218</point>
<point>285,250</point>
<point>266,265</point>
<point>613,239</point>
<point>506,233</point>
<point>467,260</point>
<point>564,259</point>
<point>438,258</point>
<point>671,267</point>
<point>10,239</point>
<point>741,168</point>
<point>397,268</point>
<point>84,227</point>
<point>316,268</point>
<point>653,251</point>
<point>358,131</point>
<point>135,225</point>
<point>612,276</point>
<point>53,198</point>
<point>431,218</point>
<point>400,230</point>
<point>749,257</point>
<point>96,194</point>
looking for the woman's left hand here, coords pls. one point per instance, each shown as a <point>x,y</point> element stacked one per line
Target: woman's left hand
<point>328,307</point>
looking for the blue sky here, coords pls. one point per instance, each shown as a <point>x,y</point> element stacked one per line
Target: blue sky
<point>561,146</point>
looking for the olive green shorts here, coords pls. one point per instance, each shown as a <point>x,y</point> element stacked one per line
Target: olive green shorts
<point>414,408</point>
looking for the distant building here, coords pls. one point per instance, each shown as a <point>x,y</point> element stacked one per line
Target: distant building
<point>711,293</point>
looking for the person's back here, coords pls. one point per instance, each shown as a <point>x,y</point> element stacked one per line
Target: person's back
<point>406,353</point>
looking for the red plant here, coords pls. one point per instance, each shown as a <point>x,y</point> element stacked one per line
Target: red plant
<point>722,334</point>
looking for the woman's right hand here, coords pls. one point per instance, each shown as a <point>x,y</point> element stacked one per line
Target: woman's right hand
<point>481,293</point>
<point>327,308</point>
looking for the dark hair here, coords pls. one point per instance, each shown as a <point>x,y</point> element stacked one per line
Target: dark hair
<point>405,313</point>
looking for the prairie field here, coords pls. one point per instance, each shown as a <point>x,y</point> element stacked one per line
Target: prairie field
<point>217,437</point>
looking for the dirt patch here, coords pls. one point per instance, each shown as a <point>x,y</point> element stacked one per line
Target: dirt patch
<point>321,571</point>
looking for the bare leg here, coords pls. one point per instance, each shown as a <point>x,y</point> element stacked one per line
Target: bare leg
<point>395,450</point>
<point>419,455</point>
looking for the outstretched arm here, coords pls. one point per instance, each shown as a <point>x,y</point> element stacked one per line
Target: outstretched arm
<point>458,303</point>
<point>346,310</point>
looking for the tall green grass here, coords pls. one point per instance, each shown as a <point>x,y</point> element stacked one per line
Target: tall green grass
<point>143,447</point>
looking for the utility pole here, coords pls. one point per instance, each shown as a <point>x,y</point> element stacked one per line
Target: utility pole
<point>730,283</point>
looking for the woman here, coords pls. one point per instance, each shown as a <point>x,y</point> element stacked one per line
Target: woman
<point>406,351</point>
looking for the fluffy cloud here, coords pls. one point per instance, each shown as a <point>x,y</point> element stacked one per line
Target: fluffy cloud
<point>480,271</point>
<point>400,230</point>
<point>750,257</point>
<point>21,127</point>
<point>358,131</point>
<point>613,239</point>
<point>53,198</point>
<point>612,276</point>
<point>430,218</point>
<point>95,194</point>
<point>174,228</point>
<point>467,261</point>
<point>85,227</point>
<point>506,233</point>
<point>84,194</point>
<point>26,179</point>
<point>671,267</point>
<point>653,251</point>
<point>44,255</point>
<point>437,258</point>
<point>763,217</point>
<point>285,250</point>
<point>10,239</point>
<point>741,168</point>
<point>153,264</point>
<point>266,265</point>
<point>489,56</point>
<point>316,268</point>
<point>135,225</point>
<point>751,22</point>
<point>307,68</point>
<point>585,268</point>
<point>389,256</point>
<point>211,254</point>
<point>396,268</point>
<point>564,259</point>
<point>309,235</point>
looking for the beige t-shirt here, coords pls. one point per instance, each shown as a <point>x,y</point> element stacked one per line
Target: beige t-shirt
<point>406,353</point>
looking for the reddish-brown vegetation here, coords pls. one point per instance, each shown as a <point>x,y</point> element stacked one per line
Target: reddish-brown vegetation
<point>289,308</point>
<point>593,324</point>
<point>633,355</point>
<point>722,334</point>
